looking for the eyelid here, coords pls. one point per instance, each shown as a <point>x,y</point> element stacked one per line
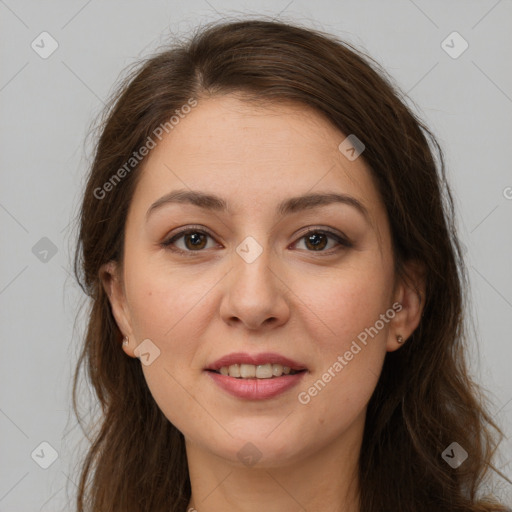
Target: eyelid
<point>340,238</point>
<point>168,242</point>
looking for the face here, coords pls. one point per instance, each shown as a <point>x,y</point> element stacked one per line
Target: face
<point>255,276</point>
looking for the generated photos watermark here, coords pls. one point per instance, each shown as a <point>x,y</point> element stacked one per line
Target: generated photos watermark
<point>304,397</point>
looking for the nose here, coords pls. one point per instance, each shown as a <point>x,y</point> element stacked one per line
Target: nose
<point>255,295</point>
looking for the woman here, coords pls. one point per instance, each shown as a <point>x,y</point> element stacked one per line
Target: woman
<point>277,289</point>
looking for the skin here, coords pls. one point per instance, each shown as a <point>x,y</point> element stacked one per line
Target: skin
<point>304,304</point>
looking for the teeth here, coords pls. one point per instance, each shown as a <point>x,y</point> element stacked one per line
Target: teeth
<point>251,371</point>
<point>234,370</point>
<point>264,371</point>
<point>247,371</point>
<point>277,370</point>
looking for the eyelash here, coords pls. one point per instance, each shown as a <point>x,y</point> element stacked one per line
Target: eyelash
<point>343,242</point>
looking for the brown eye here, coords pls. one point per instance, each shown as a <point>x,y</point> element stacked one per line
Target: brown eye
<point>193,239</point>
<point>317,240</point>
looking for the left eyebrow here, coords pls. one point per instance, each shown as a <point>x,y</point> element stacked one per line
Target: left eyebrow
<point>291,205</point>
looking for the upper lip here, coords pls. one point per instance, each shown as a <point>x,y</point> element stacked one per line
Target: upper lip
<point>255,359</point>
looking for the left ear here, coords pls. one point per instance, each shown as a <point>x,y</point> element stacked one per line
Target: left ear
<point>410,294</point>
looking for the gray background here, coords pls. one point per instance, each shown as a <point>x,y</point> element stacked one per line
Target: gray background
<point>47,106</point>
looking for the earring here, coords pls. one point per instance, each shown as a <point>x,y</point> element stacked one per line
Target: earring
<point>399,339</point>
<point>125,341</point>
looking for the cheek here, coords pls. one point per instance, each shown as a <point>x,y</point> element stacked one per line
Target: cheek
<point>161,299</point>
<point>345,322</point>
<point>342,304</point>
<point>163,305</point>
<point>348,358</point>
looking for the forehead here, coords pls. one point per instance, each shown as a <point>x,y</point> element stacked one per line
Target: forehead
<point>254,156</point>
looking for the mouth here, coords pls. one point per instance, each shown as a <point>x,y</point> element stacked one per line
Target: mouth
<point>258,366</point>
<point>256,377</point>
<point>261,371</point>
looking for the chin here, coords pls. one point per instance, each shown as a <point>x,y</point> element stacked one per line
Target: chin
<point>255,448</point>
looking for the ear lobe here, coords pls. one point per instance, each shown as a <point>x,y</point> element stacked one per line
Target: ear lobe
<point>111,280</point>
<point>410,293</point>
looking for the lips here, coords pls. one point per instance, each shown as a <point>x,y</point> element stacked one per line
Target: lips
<point>234,374</point>
<point>255,359</point>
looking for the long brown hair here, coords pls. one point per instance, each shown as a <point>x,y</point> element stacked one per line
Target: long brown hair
<point>424,399</point>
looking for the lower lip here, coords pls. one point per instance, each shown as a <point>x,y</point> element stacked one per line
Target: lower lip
<point>256,389</point>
